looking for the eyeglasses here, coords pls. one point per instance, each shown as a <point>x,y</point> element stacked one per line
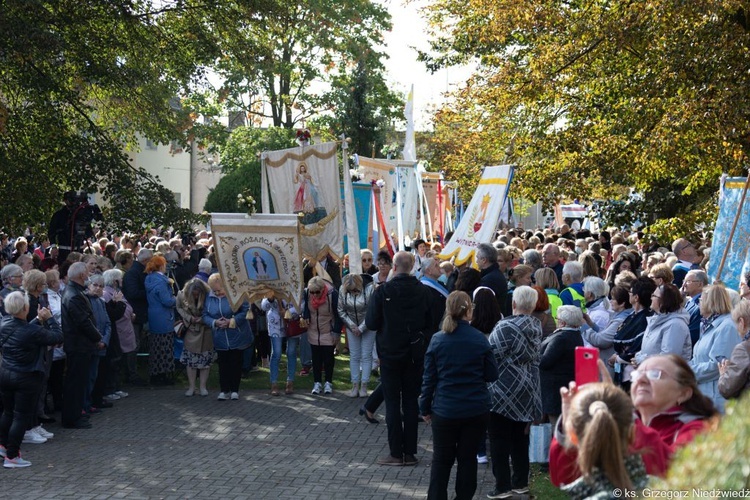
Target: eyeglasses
<point>691,281</point>
<point>97,286</point>
<point>314,293</point>
<point>653,374</point>
<point>678,249</point>
<point>654,296</point>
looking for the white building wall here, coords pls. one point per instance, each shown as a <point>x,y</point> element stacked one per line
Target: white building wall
<point>172,168</point>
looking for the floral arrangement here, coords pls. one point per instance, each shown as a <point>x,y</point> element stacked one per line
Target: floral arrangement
<point>246,202</point>
<point>303,136</point>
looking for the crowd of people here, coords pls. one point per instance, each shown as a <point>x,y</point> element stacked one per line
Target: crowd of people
<point>480,353</point>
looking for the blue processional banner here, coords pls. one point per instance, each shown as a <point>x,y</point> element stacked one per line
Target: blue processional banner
<point>738,256</point>
<point>362,207</point>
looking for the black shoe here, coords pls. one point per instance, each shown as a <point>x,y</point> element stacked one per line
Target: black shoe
<point>46,419</point>
<point>410,460</point>
<point>80,424</point>
<point>500,494</point>
<point>363,411</point>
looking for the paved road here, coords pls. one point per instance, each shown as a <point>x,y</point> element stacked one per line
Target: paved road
<point>157,443</point>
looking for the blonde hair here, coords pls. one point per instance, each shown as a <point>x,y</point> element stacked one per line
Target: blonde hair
<point>601,419</point>
<point>33,279</point>
<point>546,278</point>
<point>715,300</point>
<point>457,306</point>
<point>352,283</point>
<point>316,284</point>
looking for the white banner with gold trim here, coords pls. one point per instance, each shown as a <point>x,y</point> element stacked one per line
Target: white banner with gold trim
<point>305,181</point>
<point>258,254</point>
<point>481,217</point>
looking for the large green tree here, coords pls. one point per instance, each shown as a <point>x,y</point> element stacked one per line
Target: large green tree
<point>591,98</point>
<point>278,64</point>
<point>78,82</point>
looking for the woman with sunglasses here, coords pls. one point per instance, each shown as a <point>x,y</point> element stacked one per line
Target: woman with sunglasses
<point>670,412</point>
<point>320,309</point>
<point>667,331</point>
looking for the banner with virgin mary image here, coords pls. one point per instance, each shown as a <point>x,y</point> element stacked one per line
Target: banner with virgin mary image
<point>480,220</point>
<point>304,181</point>
<point>258,254</point>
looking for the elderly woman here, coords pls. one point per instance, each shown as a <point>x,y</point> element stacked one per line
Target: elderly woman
<point>385,263</point>
<point>24,345</point>
<point>100,368</point>
<point>718,337</point>
<point>670,412</point>
<point>734,377</point>
<point>603,338</point>
<point>352,307</point>
<point>458,365</point>
<point>518,276</point>
<point>661,274</point>
<point>231,334</point>
<point>161,318</point>
<point>368,267</point>
<point>198,352</point>
<point>667,331</point>
<point>515,395</point>
<point>320,310</point>
<point>557,362</point>
<point>123,323</point>
<point>595,292</point>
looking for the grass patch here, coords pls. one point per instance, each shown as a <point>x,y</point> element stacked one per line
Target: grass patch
<point>541,487</point>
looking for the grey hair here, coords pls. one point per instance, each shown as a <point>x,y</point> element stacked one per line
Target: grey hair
<point>487,251</point>
<point>699,275</point>
<point>16,302</point>
<point>10,270</point>
<point>427,263</point>
<point>532,258</point>
<point>96,279</point>
<point>524,299</point>
<point>596,286</point>
<point>571,315</point>
<point>574,270</point>
<point>144,255</point>
<point>205,265</point>
<point>111,276</point>
<point>76,270</point>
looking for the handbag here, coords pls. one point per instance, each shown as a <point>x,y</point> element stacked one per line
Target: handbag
<point>540,438</point>
<point>180,328</point>
<point>294,328</point>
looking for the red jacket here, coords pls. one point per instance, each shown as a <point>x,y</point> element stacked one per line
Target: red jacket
<point>668,432</point>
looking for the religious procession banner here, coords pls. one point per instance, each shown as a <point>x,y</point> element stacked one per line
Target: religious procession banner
<point>362,192</point>
<point>305,181</point>
<point>258,254</point>
<point>436,200</point>
<point>373,170</point>
<point>737,246</point>
<point>481,217</point>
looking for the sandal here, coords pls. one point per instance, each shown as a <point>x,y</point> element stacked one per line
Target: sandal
<point>274,390</point>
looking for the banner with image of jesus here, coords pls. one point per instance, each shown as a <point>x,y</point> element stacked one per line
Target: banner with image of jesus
<point>304,181</point>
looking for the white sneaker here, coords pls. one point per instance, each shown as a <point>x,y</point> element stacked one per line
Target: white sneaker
<point>363,391</point>
<point>354,392</point>
<point>15,463</point>
<point>189,392</point>
<point>235,396</point>
<point>222,396</point>
<point>3,451</point>
<point>482,459</point>
<point>122,394</point>
<point>31,437</point>
<point>328,388</point>
<point>316,388</point>
<point>43,432</point>
<point>112,397</point>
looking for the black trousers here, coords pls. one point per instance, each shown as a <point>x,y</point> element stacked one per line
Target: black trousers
<point>230,369</point>
<point>375,399</point>
<point>322,356</point>
<point>20,393</point>
<point>78,370</point>
<point>401,382</point>
<point>455,439</point>
<point>509,443</point>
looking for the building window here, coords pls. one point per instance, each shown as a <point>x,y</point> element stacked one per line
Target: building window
<point>151,145</point>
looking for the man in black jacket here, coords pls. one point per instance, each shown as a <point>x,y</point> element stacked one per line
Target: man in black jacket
<point>399,312</point>
<point>492,277</point>
<point>82,342</point>
<point>134,290</point>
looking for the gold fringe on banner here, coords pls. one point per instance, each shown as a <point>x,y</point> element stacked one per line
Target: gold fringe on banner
<point>301,157</point>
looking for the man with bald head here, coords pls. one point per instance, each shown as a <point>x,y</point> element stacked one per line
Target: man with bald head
<point>551,259</point>
<point>399,312</point>
<point>687,255</point>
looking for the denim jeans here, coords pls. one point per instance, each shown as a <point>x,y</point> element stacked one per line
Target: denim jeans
<point>88,400</point>
<point>292,343</point>
<point>360,355</point>
<point>455,439</point>
<point>20,392</point>
<point>305,352</point>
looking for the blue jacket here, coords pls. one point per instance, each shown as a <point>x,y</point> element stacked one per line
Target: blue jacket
<point>161,304</point>
<point>101,318</point>
<point>693,307</point>
<point>239,337</point>
<point>457,368</point>
<point>718,339</point>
